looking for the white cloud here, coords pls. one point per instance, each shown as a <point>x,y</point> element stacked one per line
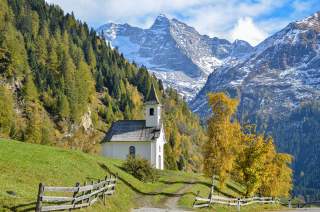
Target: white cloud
<point>301,6</point>
<point>245,29</point>
<point>135,12</point>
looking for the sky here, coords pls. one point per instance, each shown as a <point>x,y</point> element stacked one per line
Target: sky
<point>249,20</point>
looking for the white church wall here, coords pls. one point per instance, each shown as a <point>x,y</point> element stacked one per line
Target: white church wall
<point>159,151</point>
<point>120,149</point>
<point>153,153</point>
<point>154,120</point>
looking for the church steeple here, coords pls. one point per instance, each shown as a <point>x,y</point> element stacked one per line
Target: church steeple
<point>153,109</point>
<point>152,98</point>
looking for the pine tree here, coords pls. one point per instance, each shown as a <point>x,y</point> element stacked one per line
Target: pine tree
<point>41,46</point>
<point>33,132</point>
<point>5,61</point>
<point>35,24</point>
<point>7,114</point>
<point>64,108</point>
<point>14,43</point>
<point>52,62</point>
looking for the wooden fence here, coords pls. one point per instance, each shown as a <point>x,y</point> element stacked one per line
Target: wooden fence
<point>237,202</point>
<point>75,197</point>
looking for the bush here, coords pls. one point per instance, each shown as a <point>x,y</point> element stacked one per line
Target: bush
<point>140,168</point>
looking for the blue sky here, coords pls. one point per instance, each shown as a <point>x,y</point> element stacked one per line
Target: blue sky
<point>250,20</point>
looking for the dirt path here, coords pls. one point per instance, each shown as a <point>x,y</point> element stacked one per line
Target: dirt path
<point>170,204</point>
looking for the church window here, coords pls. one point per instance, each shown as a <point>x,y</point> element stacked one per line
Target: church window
<point>151,112</point>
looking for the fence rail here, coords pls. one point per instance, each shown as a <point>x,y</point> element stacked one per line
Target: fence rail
<point>238,202</point>
<point>75,197</point>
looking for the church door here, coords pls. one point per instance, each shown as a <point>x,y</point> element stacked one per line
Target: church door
<point>159,162</point>
<point>132,151</point>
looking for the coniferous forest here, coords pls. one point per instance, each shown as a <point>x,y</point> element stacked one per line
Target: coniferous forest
<point>61,84</point>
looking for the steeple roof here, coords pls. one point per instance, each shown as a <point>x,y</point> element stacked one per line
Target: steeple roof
<point>152,98</point>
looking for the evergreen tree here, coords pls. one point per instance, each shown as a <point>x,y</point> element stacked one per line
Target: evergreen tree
<point>33,132</point>
<point>64,108</point>
<point>5,61</point>
<point>7,114</point>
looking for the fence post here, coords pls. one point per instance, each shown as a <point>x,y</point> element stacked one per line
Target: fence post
<point>75,194</point>
<point>83,193</point>
<point>212,189</point>
<point>106,189</point>
<point>195,199</point>
<point>98,187</point>
<point>39,199</point>
<point>238,204</point>
<point>89,201</point>
<point>114,183</point>
<point>289,204</point>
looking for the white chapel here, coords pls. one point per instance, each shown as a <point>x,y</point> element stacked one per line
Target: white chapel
<point>138,137</point>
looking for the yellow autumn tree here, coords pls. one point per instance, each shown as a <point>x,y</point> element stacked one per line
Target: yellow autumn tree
<point>222,147</point>
<point>261,169</point>
<point>251,162</point>
<point>277,180</point>
<point>242,154</point>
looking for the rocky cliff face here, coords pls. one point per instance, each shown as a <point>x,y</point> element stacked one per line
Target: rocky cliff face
<point>174,51</point>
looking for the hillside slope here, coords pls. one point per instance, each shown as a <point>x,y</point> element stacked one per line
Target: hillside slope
<point>23,166</point>
<point>26,165</point>
<point>61,84</point>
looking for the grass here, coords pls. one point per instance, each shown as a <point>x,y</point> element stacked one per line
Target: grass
<point>23,166</point>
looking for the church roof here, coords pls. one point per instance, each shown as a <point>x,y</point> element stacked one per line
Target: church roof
<point>131,130</point>
<point>152,98</point>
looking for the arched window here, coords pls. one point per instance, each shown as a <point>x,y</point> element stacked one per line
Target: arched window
<point>151,111</point>
<point>132,151</point>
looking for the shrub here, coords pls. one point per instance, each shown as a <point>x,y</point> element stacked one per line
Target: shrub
<point>140,168</point>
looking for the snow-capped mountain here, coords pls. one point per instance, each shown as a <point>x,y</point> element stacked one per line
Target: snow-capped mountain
<point>282,72</point>
<point>279,91</point>
<point>175,52</point>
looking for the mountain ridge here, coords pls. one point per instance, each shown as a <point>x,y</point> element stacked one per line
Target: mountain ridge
<point>173,50</point>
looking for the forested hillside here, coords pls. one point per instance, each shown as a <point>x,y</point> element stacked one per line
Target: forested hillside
<point>184,135</point>
<point>299,135</point>
<point>61,84</point>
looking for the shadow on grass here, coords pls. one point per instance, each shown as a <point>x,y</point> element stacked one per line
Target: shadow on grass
<point>31,206</point>
<point>103,166</point>
<point>205,184</point>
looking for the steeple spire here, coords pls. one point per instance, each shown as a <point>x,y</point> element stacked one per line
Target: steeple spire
<point>152,98</point>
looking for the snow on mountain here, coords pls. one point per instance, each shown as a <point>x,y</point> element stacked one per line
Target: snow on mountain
<point>175,52</point>
<point>281,73</point>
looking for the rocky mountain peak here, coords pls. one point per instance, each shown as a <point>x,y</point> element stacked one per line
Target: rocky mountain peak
<point>174,51</point>
<point>240,48</point>
<point>161,22</point>
<point>310,22</point>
